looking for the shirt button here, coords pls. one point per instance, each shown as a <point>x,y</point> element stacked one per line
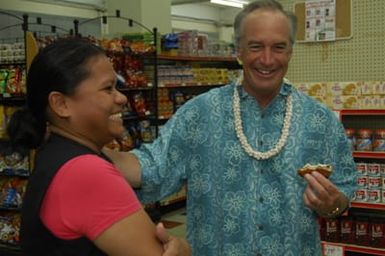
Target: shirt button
<point>260,227</point>
<point>261,199</point>
<point>260,143</point>
<point>258,254</point>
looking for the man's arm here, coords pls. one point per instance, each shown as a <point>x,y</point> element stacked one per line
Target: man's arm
<point>127,164</point>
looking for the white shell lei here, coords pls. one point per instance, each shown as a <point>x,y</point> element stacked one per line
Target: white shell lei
<point>242,138</point>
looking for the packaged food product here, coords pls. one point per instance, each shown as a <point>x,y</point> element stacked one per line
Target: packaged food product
<point>347,229</point>
<point>364,140</point>
<point>379,140</point>
<point>332,230</point>
<point>350,134</point>
<point>362,230</point>
<point>377,232</point>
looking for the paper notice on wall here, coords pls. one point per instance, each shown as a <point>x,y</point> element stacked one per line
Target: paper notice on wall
<point>320,20</point>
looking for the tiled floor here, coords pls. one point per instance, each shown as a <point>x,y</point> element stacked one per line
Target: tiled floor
<point>175,222</point>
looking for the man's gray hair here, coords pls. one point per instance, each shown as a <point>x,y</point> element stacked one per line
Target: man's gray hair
<point>264,4</point>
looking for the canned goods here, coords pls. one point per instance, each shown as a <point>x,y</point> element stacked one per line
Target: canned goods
<point>379,140</point>
<point>364,140</point>
<point>361,195</point>
<point>374,195</point>
<point>383,196</point>
<point>362,168</point>
<point>362,181</point>
<point>350,134</point>
<point>374,170</point>
<point>374,182</point>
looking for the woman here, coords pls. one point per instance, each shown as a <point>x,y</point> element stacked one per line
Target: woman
<point>76,202</point>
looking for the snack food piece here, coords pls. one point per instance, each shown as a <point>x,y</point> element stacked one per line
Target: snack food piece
<point>324,169</point>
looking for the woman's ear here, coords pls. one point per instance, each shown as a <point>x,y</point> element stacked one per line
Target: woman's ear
<point>58,104</point>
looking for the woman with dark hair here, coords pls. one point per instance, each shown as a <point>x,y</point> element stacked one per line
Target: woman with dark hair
<point>77,203</point>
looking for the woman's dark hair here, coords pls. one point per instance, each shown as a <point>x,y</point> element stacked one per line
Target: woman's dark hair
<point>263,4</point>
<point>60,66</point>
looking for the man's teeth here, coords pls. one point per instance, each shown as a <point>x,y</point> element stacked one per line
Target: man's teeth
<point>266,72</point>
<point>116,116</point>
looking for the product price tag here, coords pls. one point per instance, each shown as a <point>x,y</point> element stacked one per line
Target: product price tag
<point>333,250</point>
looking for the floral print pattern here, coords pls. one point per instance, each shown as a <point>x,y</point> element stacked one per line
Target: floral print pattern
<point>237,205</point>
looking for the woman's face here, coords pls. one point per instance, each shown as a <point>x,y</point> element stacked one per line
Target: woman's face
<point>97,105</point>
<point>264,50</point>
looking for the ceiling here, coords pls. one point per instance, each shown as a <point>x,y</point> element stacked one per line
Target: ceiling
<point>206,2</point>
<point>177,2</point>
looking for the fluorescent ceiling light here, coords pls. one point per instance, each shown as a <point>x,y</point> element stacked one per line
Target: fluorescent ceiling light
<point>233,3</point>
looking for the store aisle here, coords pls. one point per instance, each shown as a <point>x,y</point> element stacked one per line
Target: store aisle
<point>175,222</point>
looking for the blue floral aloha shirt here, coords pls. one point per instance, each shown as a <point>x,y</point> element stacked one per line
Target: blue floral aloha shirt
<point>237,205</point>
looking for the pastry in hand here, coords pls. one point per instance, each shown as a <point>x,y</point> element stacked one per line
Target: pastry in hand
<point>324,169</point>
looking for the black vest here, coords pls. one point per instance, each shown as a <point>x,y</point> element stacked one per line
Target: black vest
<point>36,239</point>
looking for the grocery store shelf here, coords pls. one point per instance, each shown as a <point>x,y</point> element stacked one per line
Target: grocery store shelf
<point>361,112</point>
<point>178,85</point>
<point>369,154</point>
<point>373,206</point>
<point>358,248</point>
<point>196,58</point>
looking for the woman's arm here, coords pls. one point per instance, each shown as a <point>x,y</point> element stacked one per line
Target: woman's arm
<point>128,165</point>
<point>134,235</point>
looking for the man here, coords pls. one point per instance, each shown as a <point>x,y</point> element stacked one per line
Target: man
<point>238,149</point>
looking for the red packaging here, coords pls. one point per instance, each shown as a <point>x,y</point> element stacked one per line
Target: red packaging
<point>332,230</point>
<point>362,231</point>
<point>347,230</point>
<point>377,232</point>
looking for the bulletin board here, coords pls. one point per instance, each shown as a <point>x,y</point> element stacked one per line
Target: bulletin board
<point>343,20</point>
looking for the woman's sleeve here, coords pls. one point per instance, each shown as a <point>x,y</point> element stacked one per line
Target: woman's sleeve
<point>86,196</point>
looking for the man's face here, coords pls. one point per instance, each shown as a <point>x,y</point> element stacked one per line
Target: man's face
<point>264,50</point>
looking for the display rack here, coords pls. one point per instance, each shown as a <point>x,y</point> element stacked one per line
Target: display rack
<point>13,176</point>
<point>355,248</point>
<point>358,119</point>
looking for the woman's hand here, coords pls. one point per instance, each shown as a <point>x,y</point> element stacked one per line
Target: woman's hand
<point>173,246</point>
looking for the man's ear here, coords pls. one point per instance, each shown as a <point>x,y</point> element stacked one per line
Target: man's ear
<point>58,104</point>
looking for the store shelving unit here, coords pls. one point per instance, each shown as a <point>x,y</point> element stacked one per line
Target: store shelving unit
<point>13,175</point>
<point>357,119</point>
<point>356,248</point>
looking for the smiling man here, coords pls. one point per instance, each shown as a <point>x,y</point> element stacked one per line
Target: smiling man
<point>238,149</point>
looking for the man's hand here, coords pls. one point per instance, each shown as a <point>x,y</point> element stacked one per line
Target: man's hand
<point>323,196</point>
<point>173,246</point>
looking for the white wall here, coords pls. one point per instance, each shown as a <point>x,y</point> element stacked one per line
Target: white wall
<point>205,18</point>
<point>48,8</point>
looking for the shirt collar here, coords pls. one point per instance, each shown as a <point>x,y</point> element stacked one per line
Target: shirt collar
<point>286,89</point>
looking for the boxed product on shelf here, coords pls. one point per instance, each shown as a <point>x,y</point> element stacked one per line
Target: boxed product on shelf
<point>346,95</point>
<point>357,229</point>
<point>12,52</point>
<point>9,227</point>
<point>347,229</point>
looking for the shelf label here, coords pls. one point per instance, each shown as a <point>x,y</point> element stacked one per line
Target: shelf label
<point>333,250</point>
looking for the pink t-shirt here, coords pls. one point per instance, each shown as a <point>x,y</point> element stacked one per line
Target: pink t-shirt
<point>86,196</point>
